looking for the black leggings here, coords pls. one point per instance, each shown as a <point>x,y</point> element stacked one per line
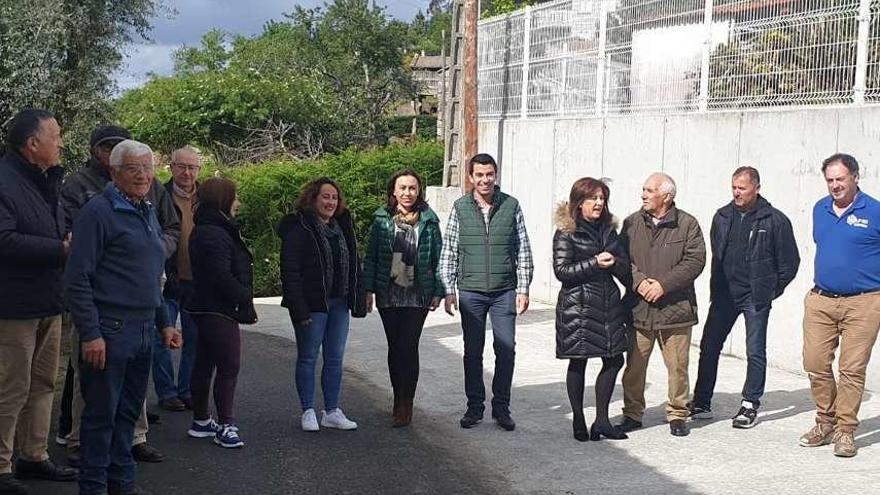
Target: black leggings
<point>219,348</point>
<point>403,328</point>
<point>575,380</point>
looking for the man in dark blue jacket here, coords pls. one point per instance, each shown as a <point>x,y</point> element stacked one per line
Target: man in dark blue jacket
<point>113,289</point>
<point>33,248</point>
<point>78,189</point>
<point>754,257</point>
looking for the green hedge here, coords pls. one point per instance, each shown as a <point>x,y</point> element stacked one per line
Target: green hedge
<point>268,190</point>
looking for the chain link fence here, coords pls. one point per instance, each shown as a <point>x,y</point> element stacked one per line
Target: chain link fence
<point>601,57</point>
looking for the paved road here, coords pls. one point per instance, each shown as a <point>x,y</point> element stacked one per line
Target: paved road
<point>279,458</point>
<point>434,455</point>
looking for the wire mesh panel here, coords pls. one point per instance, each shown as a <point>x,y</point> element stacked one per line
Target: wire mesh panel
<point>582,57</point>
<point>872,92</point>
<point>500,54</point>
<point>782,52</point>
<point>654,54</point>
<point>549,36</point>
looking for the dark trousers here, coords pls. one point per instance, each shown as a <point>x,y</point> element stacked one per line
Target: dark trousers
<point>722,315</point>
<point>65,416</point>
<point>219,347</point>
<point>403,328</point>
<point>113,398</point>
<point>501,308</point>
<point>163,360</point>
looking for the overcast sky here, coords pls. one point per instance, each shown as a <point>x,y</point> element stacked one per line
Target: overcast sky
<point>195,17</point>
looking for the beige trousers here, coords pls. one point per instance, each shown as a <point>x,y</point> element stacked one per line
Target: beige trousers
<point>850,323</point>
<point>675,346</point>
<point>29,355</point>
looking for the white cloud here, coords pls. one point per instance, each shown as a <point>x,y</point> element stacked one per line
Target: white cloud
<point>142,60</point>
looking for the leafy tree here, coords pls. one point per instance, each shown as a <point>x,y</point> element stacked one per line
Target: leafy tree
<point>211,56</point>
<point>320,80</point>
<point>426,33</point>
<point>61,54</point>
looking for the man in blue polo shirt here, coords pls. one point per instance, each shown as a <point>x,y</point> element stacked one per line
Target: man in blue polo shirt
<point>844,306</point>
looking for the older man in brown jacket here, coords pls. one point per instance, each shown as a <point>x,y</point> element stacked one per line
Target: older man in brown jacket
<point>668,253</point>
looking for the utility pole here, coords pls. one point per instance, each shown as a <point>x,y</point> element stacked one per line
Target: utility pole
<point>469,120</point>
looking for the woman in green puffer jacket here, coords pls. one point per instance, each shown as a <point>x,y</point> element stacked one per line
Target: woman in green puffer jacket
<point>400,272</point>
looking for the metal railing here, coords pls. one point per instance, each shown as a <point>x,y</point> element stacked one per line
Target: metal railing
<point>600,57</point>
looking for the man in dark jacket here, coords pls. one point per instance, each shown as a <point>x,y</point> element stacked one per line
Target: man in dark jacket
<point>33,248</point>
<point>668,253</point>
<point>113,291</point>
<point>754,257</point>
<point>78,189</point>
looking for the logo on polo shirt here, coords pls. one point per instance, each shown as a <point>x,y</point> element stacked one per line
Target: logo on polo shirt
<point>854,221</point>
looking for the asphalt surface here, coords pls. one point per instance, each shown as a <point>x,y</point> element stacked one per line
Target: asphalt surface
<point>435,455</point>
<point>279,458</point>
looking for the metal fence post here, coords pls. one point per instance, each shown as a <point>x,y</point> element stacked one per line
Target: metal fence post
<point>527,41</point>
<point>703,101</point>
<point>861,82</point>
<point>600,57</point>
<point>560,103</point>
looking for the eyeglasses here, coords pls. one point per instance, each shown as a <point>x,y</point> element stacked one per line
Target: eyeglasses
<point>134,168</point>
<point>187,168</point>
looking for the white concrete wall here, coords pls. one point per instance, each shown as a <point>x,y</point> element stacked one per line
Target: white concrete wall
<point>540,159</point>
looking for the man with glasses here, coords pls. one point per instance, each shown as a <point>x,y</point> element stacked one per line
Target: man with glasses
<point>185,167</point>
<point>113,290</point>
<point>78,189</point>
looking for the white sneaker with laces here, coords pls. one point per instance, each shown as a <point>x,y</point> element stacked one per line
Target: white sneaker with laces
<point>309,420</point>
<point>336,419</point>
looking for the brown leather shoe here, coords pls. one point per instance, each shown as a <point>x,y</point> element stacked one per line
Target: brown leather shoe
<point>172,404</point>
<point>145,453</point>
<point>819,434</point>
<point>844,444</point>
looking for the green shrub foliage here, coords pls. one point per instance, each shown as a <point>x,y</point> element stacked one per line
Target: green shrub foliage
<point>268,190</point>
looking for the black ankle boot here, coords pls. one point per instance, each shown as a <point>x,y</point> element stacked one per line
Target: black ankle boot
<point>597,431</point>
<point>581,434</point>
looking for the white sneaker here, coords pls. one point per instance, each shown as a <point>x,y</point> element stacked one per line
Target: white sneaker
<point>309,420</point>
<point>336,419</point>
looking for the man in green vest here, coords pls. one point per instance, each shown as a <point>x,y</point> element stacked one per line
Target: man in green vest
<point>486,254</point>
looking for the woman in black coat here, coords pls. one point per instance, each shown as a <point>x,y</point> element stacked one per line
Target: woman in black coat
<point>322,287</point>
<point>223,297</point>
<point>591,321</point>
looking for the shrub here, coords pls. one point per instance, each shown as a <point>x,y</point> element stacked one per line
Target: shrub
<point>267,192</point>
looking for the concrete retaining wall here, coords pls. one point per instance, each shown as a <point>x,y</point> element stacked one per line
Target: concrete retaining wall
<point>541,158</point>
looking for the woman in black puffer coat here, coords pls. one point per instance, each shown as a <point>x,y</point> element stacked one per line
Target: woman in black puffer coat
<point>591,320</point>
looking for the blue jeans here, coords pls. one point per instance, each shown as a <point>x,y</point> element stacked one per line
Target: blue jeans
<point>722,316</point>
<point>163,364</point>
<point>501,308</point>
<point>113,398</point>
<point>328,333</point>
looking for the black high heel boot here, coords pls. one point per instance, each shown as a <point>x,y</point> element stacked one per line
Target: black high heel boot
<point>581,434</point>
<point>597,431</point>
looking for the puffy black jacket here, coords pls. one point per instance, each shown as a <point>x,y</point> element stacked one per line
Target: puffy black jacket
<point>302,273</point>
<point>591,320</point>
<point>772,253</point>
<point>223,268</point>
<point>31,232</point>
